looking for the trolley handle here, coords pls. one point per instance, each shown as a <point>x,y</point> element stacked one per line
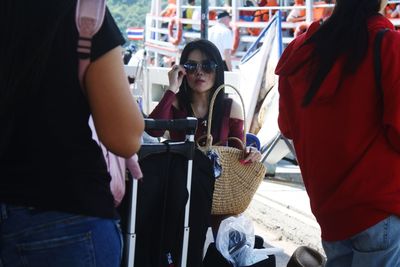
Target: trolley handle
<point>188,125</point>
<point>185,149</point>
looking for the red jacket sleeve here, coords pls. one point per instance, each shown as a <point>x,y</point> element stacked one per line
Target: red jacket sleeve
<point>164,110</point>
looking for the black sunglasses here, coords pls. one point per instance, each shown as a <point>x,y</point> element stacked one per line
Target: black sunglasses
<point>207,66</point>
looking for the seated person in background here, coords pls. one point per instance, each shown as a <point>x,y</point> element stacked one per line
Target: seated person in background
<point>322,12</point>
<point>328,10</point>
<point>188,14</point>
<point>129,51</point>
<point>396,12</point>
<point>212,15</point>
<point>247,15</point>
<point>297,14</point>
<point>389,10</point>
<point>262,15</point>
<point>191,84</point>
<point>196,16</point>
<point>169,10</point>
<point>272,3</point>
<point>221,35</point>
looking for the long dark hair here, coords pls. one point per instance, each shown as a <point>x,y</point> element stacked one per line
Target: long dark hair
<point>345,32</point>
<point>185,92</point>
<point>27,39</point>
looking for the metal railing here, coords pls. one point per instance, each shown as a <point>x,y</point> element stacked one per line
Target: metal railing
<point>157,32</point>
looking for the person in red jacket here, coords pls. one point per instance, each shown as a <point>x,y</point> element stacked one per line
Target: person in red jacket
<point>346,131</point>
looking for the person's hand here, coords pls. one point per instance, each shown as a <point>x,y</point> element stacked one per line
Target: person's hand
<point>252,155</point>
<point>175,77</point>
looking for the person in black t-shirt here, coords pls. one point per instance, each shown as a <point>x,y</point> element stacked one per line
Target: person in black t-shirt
<point>56,208</point>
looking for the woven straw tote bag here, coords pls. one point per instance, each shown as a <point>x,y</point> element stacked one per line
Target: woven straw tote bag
<point>236,186</point>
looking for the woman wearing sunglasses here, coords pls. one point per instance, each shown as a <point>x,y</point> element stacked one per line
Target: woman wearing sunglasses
<point>191,85</point>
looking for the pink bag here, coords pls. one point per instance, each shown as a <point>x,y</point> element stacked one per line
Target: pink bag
<point>88,18</point>
<point>116,168</point>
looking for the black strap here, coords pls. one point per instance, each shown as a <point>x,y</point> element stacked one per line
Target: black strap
<point>377,60</point>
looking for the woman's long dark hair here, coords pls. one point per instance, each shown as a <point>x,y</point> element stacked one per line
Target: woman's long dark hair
<point>185,92</point>
<point>24,50</point>
<point>344,33</point>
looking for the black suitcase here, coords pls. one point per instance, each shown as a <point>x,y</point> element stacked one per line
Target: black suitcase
<point>156,210</point>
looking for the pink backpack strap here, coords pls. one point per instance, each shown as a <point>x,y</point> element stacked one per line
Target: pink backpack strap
<point>116,167</point>
<point>89,17</point>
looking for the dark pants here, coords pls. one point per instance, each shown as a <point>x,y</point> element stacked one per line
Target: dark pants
<point>33,237</point>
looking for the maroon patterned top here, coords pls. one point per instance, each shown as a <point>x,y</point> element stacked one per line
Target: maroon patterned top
<point>165,110</point>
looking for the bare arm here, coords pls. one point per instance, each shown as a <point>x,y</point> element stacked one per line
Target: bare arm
<point>116,115</point>
<point>295,16</point>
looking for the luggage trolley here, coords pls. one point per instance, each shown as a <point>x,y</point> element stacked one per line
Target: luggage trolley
<point>184,148</point>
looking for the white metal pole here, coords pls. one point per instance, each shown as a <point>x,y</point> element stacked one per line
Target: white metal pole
<point>158,7</point>
<point>234,12</point>
<point>309,11</point>
<point>158,26</point>
<point>131,241</point>
<point>178,16</point>
<point>178,9</point>
<point>186,227</point>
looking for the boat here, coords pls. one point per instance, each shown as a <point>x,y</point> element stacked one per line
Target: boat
<point>165,36</point>
<point>254,59</point>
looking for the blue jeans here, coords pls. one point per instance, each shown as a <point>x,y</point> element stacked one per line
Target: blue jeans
<point>33,238</point>
<point>377,246</point>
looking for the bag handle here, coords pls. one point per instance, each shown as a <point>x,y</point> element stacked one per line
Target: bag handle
<point>209,136</point>
<point>89,16</point>
<point>235,139</point>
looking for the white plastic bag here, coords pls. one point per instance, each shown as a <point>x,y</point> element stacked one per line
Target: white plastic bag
<point>235,239</point>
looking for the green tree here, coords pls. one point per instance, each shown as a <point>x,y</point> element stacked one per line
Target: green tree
<point>129,13</point>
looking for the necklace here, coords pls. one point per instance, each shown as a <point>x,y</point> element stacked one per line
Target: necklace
<point>204,122</point>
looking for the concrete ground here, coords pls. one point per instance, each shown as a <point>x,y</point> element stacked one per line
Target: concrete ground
<point>282,216</point>
<point>281,213</point>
